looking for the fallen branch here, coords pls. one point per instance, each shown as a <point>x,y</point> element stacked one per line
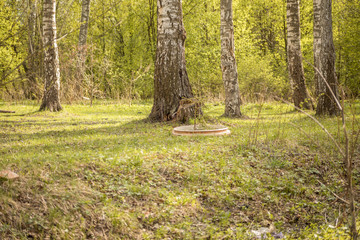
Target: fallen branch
<point>3,111</point>
<point>316,121</point>
<point>340,198</point>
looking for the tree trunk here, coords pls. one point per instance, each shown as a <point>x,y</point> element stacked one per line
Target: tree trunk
<point>170,77</point>
<point>51,99</point>
<point>30,67</point>
<point>84,20</point>
<point>151,27</point>
<point>295,66</point>
<point>85,14</point>
<point>324,59</point>
<point>228,62</point>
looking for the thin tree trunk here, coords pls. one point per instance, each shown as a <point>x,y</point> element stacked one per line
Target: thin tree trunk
<point>228,62</point>
<point>295,65</point>
<point>51,99</point>
<point>171,82</point>
<point>31,66</point>
<point>85,14</point>
<point>151,27</point>
<point>285,30</point>
<point>84,20</point>
<point>350,183</point>
<point>324,59</point>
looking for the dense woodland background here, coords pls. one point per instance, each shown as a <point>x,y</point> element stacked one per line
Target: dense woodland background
<point>121,47</point>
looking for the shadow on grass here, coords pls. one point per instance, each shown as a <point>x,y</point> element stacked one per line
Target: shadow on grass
<point>133,131</point>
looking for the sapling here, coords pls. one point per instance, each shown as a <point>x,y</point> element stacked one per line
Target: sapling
<point>345,153</point>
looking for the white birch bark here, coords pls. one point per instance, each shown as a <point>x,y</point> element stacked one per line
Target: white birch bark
<point>171,82</point>
<point>295,65</point>
<point>51,99</point>
<point>228,62</point>
<point>324,59</point>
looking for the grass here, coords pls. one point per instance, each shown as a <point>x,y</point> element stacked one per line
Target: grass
<point>102,172</point>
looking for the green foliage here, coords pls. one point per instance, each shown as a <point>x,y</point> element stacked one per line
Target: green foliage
<point>347,33</point>
<point>307,37</point>
<point>257,80</point>
<point>11,50</point>
<point>202,24</point>
<point>122,46</point>
<point>326,232</point>
<point>124,37</point>
<point>261,61</point>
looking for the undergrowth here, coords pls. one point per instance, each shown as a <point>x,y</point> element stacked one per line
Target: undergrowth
<point>102,172</point>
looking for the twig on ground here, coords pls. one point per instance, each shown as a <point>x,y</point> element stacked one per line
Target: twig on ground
<point>3,111</point>
<point>316,121</point>
<point>337,196</point>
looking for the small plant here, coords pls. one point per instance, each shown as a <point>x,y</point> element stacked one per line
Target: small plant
<point>194,106</point>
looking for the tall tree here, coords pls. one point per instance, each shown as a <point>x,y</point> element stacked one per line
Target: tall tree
<point>84,20</point>
<point>51,99</point>
<point>151,26</point>
<point>228,62</point>
<point>31,66</point>
<point>295,65</point>
<point>85,15</point>
<point>170,77</point>
<point>324,59</point>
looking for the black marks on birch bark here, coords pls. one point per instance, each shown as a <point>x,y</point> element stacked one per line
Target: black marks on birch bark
<point>171,83</point>
<point>228,61</point>
<point>324,59</point>
<point>51,98</point>
<point>300,95</point>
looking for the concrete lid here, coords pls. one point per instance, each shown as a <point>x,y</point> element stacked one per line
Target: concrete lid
<point>210,130</point>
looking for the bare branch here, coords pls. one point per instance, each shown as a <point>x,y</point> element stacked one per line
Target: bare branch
<point>317,122</point>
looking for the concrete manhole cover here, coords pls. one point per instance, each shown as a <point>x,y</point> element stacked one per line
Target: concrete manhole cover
<point>209,130</point>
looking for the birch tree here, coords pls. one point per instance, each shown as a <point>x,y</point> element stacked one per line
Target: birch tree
<point>85,14</point>
<point>300,95</point>
<point>324,59</point>
<point>84,20</point>
<point>171,82</point>
<point>51,99</point>
<point>228,62</point>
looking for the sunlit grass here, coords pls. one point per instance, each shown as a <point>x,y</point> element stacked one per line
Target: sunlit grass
<point>103,171</point>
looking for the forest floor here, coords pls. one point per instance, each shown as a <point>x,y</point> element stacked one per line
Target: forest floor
<point>102,172</point>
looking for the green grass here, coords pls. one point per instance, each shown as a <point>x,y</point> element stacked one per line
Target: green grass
<point>102,172</point>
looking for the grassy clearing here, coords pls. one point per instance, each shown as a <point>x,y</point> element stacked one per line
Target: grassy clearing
<point>102,172</point>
